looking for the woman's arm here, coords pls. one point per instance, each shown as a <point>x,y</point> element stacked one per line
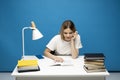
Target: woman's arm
<point>49,55</point>
<point>74,51</point>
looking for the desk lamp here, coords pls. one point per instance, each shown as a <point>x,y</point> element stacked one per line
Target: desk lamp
<point>36,34</point>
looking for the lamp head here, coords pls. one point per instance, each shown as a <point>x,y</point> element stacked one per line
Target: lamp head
<point>36,33</point>
<point>33,25</point>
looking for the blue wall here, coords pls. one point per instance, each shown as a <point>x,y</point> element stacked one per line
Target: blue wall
<point>97,21</point>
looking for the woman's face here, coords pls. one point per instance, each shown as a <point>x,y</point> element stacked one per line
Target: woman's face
<point>68,34</point>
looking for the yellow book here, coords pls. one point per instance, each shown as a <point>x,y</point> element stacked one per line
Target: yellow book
<point>27,63</point>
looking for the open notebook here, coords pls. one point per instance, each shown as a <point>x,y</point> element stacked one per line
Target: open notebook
<point>65,63</point>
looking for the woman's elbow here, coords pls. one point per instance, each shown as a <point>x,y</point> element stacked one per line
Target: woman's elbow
<point>75,56</point>
<point>45,52</point>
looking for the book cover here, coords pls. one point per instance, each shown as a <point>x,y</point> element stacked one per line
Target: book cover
<point>27,62</point>
<point>93,70</point>
<point>98,60</point>
<point>95,63</point>
<point>94,56</point>
<point>28,68</point>
<point>39,56</point>
<point>89,66</point>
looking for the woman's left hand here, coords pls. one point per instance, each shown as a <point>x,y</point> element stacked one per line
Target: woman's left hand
<point>58,59</point>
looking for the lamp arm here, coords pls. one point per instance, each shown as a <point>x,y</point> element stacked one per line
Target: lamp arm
<point>36,36</point>
<point>23,48</point>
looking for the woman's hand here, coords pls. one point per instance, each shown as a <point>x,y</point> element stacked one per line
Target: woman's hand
<point>74,35</point>
<point>58,59</point>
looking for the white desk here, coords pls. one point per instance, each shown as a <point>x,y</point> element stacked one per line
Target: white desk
<point>48,72</point>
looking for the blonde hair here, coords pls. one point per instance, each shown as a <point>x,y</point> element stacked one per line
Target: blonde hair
<point>67,24</point>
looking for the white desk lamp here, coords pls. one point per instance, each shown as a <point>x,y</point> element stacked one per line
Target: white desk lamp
<point>36,34</point>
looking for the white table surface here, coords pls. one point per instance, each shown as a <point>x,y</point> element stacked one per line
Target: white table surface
<point>75,69</point>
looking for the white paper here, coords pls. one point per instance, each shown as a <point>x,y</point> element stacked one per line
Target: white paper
<point>65,63</point>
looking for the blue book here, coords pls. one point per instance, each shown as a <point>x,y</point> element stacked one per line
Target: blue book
<point>39,56</point>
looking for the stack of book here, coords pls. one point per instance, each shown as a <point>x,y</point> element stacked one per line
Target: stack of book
<point>94,62</point>
<point>27,65</point>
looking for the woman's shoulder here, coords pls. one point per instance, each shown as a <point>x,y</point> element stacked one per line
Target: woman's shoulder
<point>78,35</point>
<point>57,37</point>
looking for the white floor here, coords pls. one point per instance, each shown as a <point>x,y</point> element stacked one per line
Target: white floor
<point>113,76</point>
<point>7,76</point>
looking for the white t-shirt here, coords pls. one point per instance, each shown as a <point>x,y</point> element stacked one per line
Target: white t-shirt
<point>61,46</point>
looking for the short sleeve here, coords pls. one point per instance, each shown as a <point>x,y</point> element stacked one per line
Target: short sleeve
<point>52,43</point>
<point>78,43</point>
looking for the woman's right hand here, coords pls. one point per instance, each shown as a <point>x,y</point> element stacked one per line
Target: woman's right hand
<point>58,59</point>
<point>74,35</point>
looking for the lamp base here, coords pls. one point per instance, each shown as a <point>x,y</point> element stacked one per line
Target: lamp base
<point>29,57</point>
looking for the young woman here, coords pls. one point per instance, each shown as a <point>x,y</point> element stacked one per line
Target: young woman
<point>66,43</point>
